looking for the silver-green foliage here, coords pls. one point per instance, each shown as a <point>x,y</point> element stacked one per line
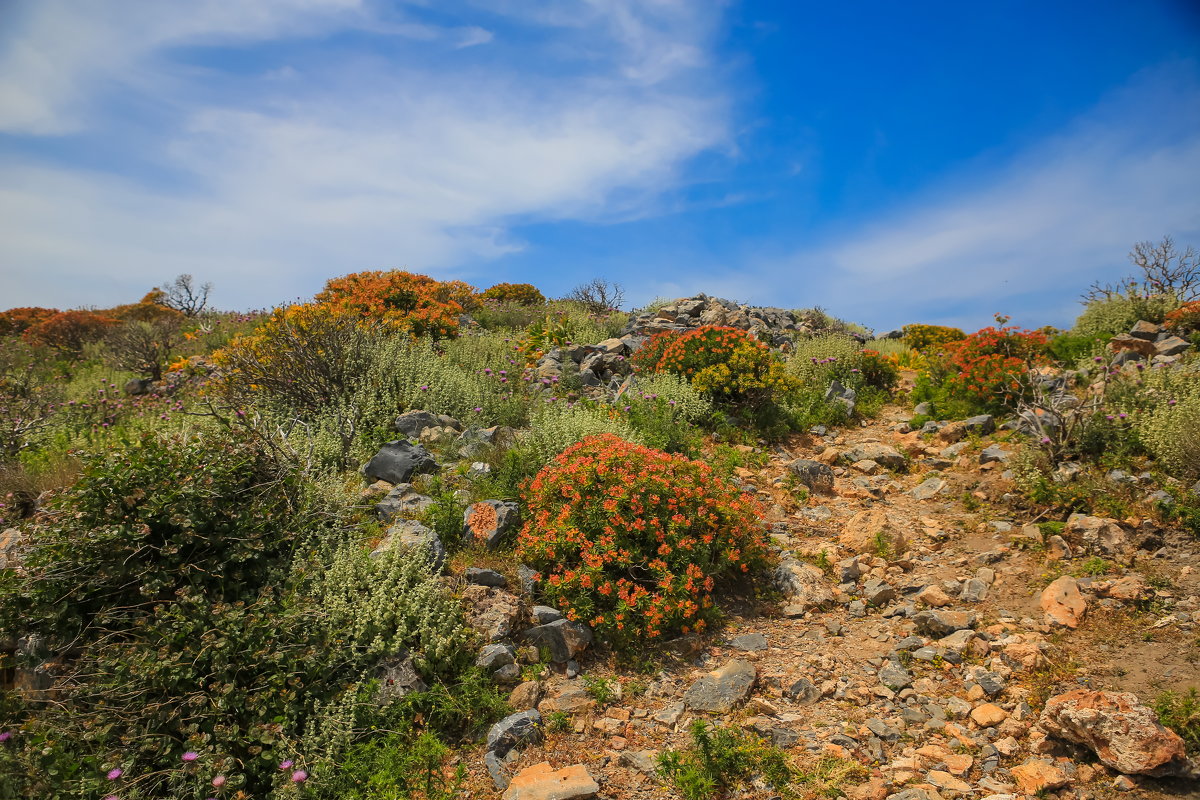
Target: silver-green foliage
<point>557,426</point>
<point>1119,313</point>
<point>686,403</point>
<point>820,359</point>
<point>1170,429</point>
<point>379,605</point>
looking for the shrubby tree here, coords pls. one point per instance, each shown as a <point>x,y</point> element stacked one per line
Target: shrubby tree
<point>143,347</point>
<point>598,295</point>
<point>183,295</point>
<point>1165,270</point>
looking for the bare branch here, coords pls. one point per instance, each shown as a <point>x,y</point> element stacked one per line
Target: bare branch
<point>185,296</point>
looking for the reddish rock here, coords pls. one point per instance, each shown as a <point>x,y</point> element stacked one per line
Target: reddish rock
<point>542,782</point>
<point>1062,603</point>
<point>1124,734</point>
<point>1039,776</point>
<point>988,715</point>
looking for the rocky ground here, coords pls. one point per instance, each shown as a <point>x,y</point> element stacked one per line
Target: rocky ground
<point>924,630</point>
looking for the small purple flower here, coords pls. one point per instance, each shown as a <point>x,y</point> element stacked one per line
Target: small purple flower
<point>115,773</point>
<point>5,736</point>
<point>286,764</point>
<point>190,756</point>
<point>1098,359</point>
<point>299,776</point>
<point>218,781</point>
<point>477,410</point>
<point>1045,440</point>
<point>1122,415</point>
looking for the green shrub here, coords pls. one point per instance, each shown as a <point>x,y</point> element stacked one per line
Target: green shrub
<point>1069,348</point>
<point>1170,429</point>
<point>822,359</point>
<point>665,410</point>
<point>721,760</point>
<point>1181,713</point>
<point>525,294</point>
<point>632,540</point>
<point>1119,313</point>
<point>931,337</point>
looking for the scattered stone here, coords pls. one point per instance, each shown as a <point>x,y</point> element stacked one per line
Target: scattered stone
<point>513,731</point>
<point>939,623</point>
<point>928,489</point>
<point>409,534</point>
<point>988,715</point>
<point>1096,535</point>
<point>933,596</point>
<point>493,613</point>
<point>402,500</point>
<point>1171,346</point>
<point>543,782</point>
<point>880,453</point>
<point>526,695</point>
<point>1062,604</point>
<point>974,590</point>
<point>993,454</point>
<point>544,615</point>
<point>1036,776</point>
<point>485,577</point>
<point>803,691</point>
<point>944,780</point>
<point>1124,734</point>
<point>397,462</point>
<point>722,689</point>
<point>895,677</point>
<point>489,522</point>
<point>803,585</point>
<point>397,676</point>
<point>867,530</point>
<point>749,642</point>
<point>813,474</point>
<point>563,638</point>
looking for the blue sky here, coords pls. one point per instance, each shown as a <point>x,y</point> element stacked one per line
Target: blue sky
<point>891,162</point>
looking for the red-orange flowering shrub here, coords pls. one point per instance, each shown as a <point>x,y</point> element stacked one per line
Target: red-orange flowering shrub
<point>69,331</point>
<point>631,540</point>
<point>648,356</point>
<point>415,303</point>
<point>988,367</point>
<point>1185,318</point>
<point>525,294</point>
<point>19,320</point>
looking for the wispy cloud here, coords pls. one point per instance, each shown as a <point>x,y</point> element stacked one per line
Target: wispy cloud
<point>1025,236</point>
<point>313,166</point>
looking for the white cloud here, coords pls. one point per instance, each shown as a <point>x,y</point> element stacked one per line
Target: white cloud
<point>1026,238</point>
<point>319,168</point>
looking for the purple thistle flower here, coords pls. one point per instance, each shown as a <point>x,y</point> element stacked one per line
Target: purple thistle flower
<point>5,736</point>
<point>115,773</point>
<point>218,781</point>
<point>299,776</point>
<point>286,764</point>
<point>190,756</point>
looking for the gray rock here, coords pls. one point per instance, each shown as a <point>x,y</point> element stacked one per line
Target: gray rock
<point>982,424</point>
<point>641,761</point>
<point>397,462</point>
<point>857,608</point>
<point>803,585</point>
<point>721,690</point>
<point>402,501</point>
<point>990,682</point>
<point>563,638</point>
<point>803,691</point>
<point>993,453</point>
<point>877,452</point>
<point>837,393</point>
<point>513,731</point>
<point>749,642</point>
<point>1171,346</point>
<point>138,386</point>
<point>413,423</point>
<point>939,623</point>
<point>410,534</point>
<point>1148,331</point>
<point>924,409</point>
<point>494,656</point>
<point>928,489</point>
<point>490,522</point>
<point>878,593</point>
<point>813,474</point>
<point>525,574</point>
<point>974,591</point>
<point>396,677</point>
<point>544,615</point>
<point>485,577</point>
<point>895,677</point>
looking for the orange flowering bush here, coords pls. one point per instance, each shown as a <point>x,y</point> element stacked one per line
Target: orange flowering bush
<point>69,331</point>
<point>988,366</point>
<point>525,294</point>
<point>725,363</point>
<point>18,320</point>
<point>406,301</point>
<point>1185,318</point>
<point>632,541</point>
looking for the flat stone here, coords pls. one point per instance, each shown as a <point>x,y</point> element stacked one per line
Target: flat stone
<point>1037,776</point>
<point>1062,604</point>
<point>722,689</point>
<point>749,642</point>
<point>397,462</point>
<point>485,577</point>
<point>939,623</point>
<point>988,715</point>
<point>514,731</point>
<point>543,782</point>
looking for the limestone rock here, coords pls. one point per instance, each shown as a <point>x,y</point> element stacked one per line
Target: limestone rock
<point>1124,734</point>
<point>813,474</point>
<point>722,689</point>
<point>397,462</point>
<point>493,613</point>
<point>1037,776</point>
<point>563,638</point>
<point>867,529</point>
<point>1062,603</point>
<point>1096,535</point>
<point>803,585</point>
<point>878,452</point>
<point>489,522</point>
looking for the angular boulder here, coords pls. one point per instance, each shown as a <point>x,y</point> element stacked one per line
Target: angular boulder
<point>513,731</point>
<point>722,689</point>
<point>878,452</point>
<point>563,638</point>
<point>489,522</point>
<point>1062,604</point>
<point>409,534</point>
<point>813,474</point>
<point>397,462</point>
<point>543,782</point>
<point>1124,734</point>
